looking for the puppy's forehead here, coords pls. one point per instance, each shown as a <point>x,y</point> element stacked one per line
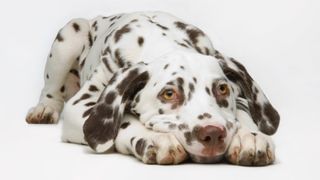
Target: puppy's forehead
<point>187,63</point>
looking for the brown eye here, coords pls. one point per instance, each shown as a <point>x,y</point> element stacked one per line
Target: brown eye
<point>169,94</point>
<point>223,89</point>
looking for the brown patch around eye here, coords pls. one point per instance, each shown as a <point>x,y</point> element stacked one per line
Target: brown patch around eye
<point>223,89</point>
<point>221,92</point>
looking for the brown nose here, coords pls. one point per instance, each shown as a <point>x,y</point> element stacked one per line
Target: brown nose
<point>211,135</point>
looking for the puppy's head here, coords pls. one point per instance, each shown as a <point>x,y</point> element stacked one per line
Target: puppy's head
<point>186,94</point>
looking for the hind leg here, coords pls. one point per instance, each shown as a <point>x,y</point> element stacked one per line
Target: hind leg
<point>70,43</point>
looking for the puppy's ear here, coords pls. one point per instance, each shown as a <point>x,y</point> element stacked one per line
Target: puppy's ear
<point>102,126</point>
<point>261,110</point>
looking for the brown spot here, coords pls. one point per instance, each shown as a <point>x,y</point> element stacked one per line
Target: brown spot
<point>106,51</point>
<point>182,44</point>
<point>84,96</point>
<point>188,137</point>
<point>134,20</point>
<point>131,140</point>
<point>50,55</point>
<point>90,39</point>
<point>218,55</point>
<point>110,97</point>
<point>76,27</point>
<point>166,66</point>
<point>183,126</point>
<point>62,89</point>
<point>208,90</point>
<point>93,88</point>
<point>200,117</point>
<point>161,111</point>
<point>194,34</point>
<point>74,72</point>
<point>113,18</point>
<point>106,63</point>
<point>180,25</point>
<point>49,96</point>
<point>180,81</point>
<point>140,146</point>
<point>124,83</point>
<point>82,63</point>
<point>95,25</point>
<point>191,87</point>
<point>140,41</point>
<point>207,115</point>
<point>119,59</point>
<point>90,104</point>
<point>229,125</point>
<point>137,99</point>
<point>162,27</point>
<point>187,41</point>
<point>59,37</point>
<point>124,125</point>
<point>120,32</point>
<point>207,51</point>
<point>87,113</point>
<point>194,79</point>
<point>47,76</point>
<point>108,36</point>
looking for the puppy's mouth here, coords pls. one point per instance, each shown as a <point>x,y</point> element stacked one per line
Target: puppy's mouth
<point>208,155</point>
<point>206,159</point>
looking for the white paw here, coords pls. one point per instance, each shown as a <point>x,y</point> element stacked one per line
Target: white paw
<point>42,114</point>
<point>251,149</point>
<point>160,149</point>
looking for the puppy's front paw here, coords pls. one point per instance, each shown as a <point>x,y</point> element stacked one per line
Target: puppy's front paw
<point>160,149</point>
<point>251,149</point>
<point>42,114</point>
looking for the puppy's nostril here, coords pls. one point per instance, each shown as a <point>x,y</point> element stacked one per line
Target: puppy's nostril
<point>207,139</point>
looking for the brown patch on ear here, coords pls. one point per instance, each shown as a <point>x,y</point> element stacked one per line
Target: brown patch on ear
<point>98,129</point>
<point>105,118</point>
<point>262,113</point>
<point>273,118</point>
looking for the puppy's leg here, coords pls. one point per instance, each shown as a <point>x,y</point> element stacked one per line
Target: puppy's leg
<point>70,43</point>
<point>249,146</point>
<point>148,146</point>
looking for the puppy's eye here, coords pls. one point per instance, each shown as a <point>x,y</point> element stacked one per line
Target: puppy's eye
<point>169,94</point>
<point>223,89</point>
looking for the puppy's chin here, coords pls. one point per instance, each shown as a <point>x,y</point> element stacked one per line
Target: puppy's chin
<point>206,159</point>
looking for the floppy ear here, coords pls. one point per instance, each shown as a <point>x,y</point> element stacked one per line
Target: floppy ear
<point>102,125</point>
<point>261,110</point>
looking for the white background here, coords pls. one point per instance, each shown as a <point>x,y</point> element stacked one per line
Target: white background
<point>277,40</point>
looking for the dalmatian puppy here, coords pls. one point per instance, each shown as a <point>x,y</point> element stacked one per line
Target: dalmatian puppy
<point>151,85</point>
